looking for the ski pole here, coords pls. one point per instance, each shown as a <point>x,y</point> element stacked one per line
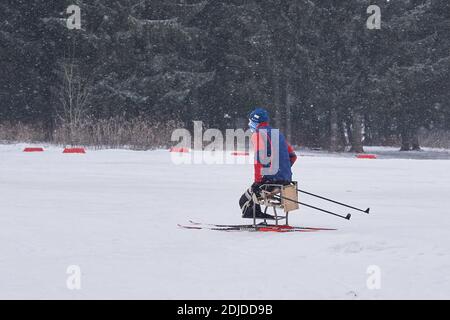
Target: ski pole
<point>337,202</point>
<point>310,206</point>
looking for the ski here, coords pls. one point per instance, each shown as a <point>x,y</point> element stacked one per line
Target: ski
<point>258,225</point>
<point>250,228</point>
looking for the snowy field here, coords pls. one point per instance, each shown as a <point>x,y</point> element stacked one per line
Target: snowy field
<point>114,213</point>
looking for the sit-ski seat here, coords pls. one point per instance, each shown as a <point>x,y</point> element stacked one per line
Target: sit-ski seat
<point>278,196</point>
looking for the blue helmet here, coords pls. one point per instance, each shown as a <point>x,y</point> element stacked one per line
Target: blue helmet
<point>259,115</point>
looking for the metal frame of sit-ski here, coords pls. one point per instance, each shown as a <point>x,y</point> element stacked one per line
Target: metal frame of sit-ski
<point>284,197</point>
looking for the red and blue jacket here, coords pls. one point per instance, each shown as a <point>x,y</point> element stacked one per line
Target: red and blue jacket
<point>273,159</point>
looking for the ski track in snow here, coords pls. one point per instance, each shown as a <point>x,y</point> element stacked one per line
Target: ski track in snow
<point>114,213</point>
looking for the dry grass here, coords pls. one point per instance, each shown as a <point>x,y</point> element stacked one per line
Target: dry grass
<point>20,132</point>
<point>435,139</point>
<point>139,134</point>
<point>136,134</point>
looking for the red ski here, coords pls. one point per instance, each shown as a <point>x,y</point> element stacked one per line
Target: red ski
<point>249,227</point>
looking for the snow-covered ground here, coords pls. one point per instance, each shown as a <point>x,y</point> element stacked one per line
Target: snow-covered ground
<point>114,213</point>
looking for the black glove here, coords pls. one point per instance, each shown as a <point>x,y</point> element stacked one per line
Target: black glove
<point>256,188</point>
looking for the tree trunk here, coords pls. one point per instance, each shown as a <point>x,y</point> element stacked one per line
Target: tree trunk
<point>406,145</point>
<point>415,141</point>
<point>344,133</point>
<point>405,134</point>
<point>276,100</point>
<point>290,103</point>
<point>334,131</point>
<point>410,140</point>
<point>357,134</point>
<point>277,96</point>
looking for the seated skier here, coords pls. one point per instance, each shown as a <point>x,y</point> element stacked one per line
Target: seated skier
<point>274,157</point>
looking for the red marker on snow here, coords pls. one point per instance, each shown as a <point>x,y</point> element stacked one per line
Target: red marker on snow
<point>176,149</point>
<point>33,150</point>
<point>366,156</point>
<point>74,150</point>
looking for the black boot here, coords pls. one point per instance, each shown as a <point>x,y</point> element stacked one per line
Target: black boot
<point>248,214</point>
<point>246,203</point>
